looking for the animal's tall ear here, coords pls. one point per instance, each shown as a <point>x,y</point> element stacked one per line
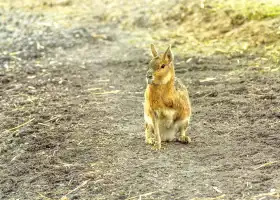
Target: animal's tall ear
<point>154,51</point>
<point>168,55</point>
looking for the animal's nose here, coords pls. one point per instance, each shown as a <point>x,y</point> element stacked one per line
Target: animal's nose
<point>149,75</point>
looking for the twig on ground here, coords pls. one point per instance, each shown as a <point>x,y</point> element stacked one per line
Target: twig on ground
<point>93,89</point>
<point>52,119</point>
<point>14,158</point>
<point>44,197</point>
<point>108,92</point>
<point>21,125</point>
<point>143,195</point>
<point>266,164</point>
<point>103,80</point>
<point>217,189</point>
<point>77,188</point>
<point>210,198</point>
<point>43,124</point>
<point>275,194</point>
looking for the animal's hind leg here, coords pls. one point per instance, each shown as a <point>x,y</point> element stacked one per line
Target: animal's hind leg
<point>149,132</point>
<point>184,138</point>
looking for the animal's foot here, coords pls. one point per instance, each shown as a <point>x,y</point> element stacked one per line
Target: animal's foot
<point>157,146</point>
<point>150,141</point>
<point>185,139</point>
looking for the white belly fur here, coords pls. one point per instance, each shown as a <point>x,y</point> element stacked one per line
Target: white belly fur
<point>168,134</point>
<point>171,133</point>
<point>167,128</point>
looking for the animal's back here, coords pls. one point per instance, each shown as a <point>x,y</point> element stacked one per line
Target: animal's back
<point>183,101</point>
<point>181,88</point>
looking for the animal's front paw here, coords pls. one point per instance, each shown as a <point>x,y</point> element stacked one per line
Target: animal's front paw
<point>185,139</point>
<point>150,141</point>
<point>157,146</point>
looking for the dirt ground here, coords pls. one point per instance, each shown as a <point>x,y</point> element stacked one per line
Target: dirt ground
<point>72,126</point>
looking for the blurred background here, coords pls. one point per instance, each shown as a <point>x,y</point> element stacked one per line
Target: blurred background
<point>192,26</point>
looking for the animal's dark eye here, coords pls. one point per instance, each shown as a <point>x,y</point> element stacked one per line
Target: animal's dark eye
<point>163,65</point>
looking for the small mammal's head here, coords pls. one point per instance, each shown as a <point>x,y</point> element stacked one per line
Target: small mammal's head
<point>160,69</point>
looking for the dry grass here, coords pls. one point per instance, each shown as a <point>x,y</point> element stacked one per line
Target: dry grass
<point>21,125</point>
<point>193,27</point>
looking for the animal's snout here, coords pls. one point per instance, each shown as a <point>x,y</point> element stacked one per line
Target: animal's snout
<point>149,76</point>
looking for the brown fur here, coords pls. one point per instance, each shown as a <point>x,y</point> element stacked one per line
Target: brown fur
<point>167,106</point>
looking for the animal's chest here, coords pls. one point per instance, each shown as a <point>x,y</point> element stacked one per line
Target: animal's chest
<point>165,114</point>
<point>161,103</point>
